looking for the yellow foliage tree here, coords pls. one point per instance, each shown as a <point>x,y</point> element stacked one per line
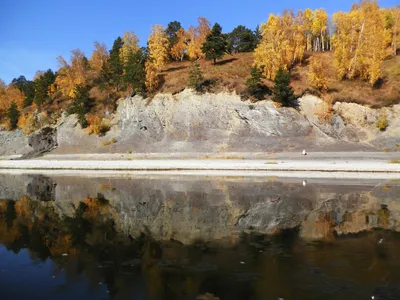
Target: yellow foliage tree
<point>71,75</point>
<point>152,80</point>
<point>99,57</point>
<point>179,49</point>
<point>282,44</point>
<point>131,45</point>
<point>9,95</point>
<point>197,37</point>
<point>317,74</point>
<point>158,47</point>
<point>359,42</point>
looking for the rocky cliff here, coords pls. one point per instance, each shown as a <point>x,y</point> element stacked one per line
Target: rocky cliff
<point>219,123</point>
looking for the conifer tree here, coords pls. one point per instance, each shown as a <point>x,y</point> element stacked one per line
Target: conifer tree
<point>81,105</point>
<point>254,83</point>
<point>216,44</point>
<point>283,92</point>
<point>135,72</point>
<point>13,115</point>
<point>195,76</point>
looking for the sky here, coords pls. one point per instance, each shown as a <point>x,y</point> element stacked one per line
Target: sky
<point>34,33</point>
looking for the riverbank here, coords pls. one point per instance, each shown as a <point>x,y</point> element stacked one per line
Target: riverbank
<point>353,162</point>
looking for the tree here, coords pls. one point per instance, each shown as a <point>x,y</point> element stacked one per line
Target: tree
<point>25,86</point>
<point>195,76</point>
<point>130,45</point>
<point>255,85</point>
<point>282,44</point>
<point>180,47</point>
<point>242,39</point>
<point>135,72</point>
<point>215,46</point>
<point>81,105</point>
<point>360,42</point>
<point>99,58</point>
<point>42,86</point>
<point>172,29</point>
<point>152,80</point>
<point>10,94</point>
<point>112,70</point>
<point>13,115</point>
<point>283,92</point>
<point>158,47</point>
<point>70,75</point>
<point>197,37</point>
<point>317,74</point>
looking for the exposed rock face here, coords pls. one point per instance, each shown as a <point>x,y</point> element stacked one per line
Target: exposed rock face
<point>42,141</point>
<point>13,143</point>
<point>217,123</point>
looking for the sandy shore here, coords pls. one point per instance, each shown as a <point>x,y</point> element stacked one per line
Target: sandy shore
<point>332,164</point>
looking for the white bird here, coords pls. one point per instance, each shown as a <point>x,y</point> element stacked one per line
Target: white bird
<point>304,152</point>
<point>304,182</point>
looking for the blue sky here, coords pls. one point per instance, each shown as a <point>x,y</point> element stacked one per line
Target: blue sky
<point>34,33</point>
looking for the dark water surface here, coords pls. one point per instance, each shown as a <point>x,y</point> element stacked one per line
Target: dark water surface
<point>177,237</point>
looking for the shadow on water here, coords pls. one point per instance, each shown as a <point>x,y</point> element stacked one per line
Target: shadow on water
<point>198,238</point>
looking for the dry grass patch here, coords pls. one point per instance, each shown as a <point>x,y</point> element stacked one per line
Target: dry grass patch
<point>394,161</point>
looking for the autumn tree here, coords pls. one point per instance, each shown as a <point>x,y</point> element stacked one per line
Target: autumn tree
<point>283,92</point>
<point>43,83</point>
<point>242,39</point>
<point>158,47</point>
<point>152,79</point>
<point>135,72</point>
<point>215,45</point>
<point>180,47</point>
<point>359,42</point>
<point>282,44</point>
<point>10,94</point>
<point>70,75</point>
<point>317,74</point>
<point>99,58</point>
<point>130,45</point>
<point>13,115</point>
<point>197,37</point>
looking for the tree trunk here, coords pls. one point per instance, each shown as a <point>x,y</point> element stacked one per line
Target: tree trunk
<point>358,46</point>
<point>215,61</point>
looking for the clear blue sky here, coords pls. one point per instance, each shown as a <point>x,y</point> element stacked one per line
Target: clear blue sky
<point>34,32</point>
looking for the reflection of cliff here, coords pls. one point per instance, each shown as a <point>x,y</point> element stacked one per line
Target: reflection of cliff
<point>192,208</point>
<point>188,236</point>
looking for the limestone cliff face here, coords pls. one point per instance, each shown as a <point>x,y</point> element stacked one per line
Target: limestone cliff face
<point>221,123</point>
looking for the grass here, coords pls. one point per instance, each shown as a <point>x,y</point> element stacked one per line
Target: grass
<point>232,72</point>
<point>394,161</point>
<point>108,143</point>
<point>271,163</point>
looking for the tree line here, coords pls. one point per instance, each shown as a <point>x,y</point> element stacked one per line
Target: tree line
<point>360,40</point>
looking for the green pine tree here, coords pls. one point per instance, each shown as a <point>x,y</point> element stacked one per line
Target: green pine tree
<point>283,92</point>
<point>255,85</point>
<point>81,105</point>
<point>135,72</point>
<point>13,115</point>
<point>195,76</point>
<point>215,45</point>
<point>111,73</point>
<point>42,84</point>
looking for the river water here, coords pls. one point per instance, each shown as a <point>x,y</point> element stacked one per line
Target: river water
<point>198,237</point>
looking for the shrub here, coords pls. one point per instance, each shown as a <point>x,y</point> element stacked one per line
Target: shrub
<point>27,122</point>
<point>195,76</point>
<point>97,126</point>
<point>13,115</point>
<point>382,122</point>
<point>254,84</point>
<point>81,105</point>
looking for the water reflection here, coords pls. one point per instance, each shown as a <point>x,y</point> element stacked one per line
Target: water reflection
<point>194,237</point>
